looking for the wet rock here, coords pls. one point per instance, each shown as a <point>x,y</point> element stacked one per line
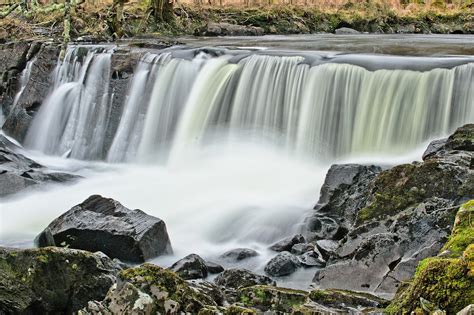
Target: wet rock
<point>312,259</point>
<point>149,289</point>
<point>226,29</point>
<point>239,254</point>
<point>346,31</point>
<point>301,248</point>
<point>433,147</point>
<point>18,172</point>
<point>346,301</point>
<point>43,58</point>
<point>52,280</point>
<point>208,289</point>
<point>102,224</point>
<point>446,282</point>
<point>241,278</point>
<point>190,267</point>
<point>287,243</point>
<point>282,264</point>
<point>392,218</point>
<point>274,299</point>
<point>327,248</point>
<point>214,268</point>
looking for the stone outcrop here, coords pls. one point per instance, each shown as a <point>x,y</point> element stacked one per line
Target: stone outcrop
<point>227,29</point>
<point>381,223</point>
<point>102,224</point>
<point>18,172</point>
<point>52,280</point>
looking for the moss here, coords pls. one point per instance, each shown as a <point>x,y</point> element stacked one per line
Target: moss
<point>151,278</point>
<point>446,282</point>
<point>407,185</point>
<point>265,297</point>
<point>463,231</point>
<point>335,297</point>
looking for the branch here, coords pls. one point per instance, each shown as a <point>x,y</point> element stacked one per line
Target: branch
<point>12,8</point>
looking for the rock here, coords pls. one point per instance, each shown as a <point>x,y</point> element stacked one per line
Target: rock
<point>18,172</point>
<point>386,222</point>
<point>190,267</point>
<point>327,248</point>
<point>52,280</point>
<point>226,29</point>
<point>149,289</point>
<point>43,58</point>
<point>346,31</point>
<point>468,310</point>
<point>446,282</point>
<point>312,259</point>
<point>239,254</point>
<point>301,248</point>
<point>346,301</point>
<point>273,299</point>
<point>241,278</point>
<point>214,268</point>
<point>102,224</point>
<point>433,147</point>
<point>287,243</point>
<point>282,264</point>
<point>406,29</point>
<point>208,289</point>
<point>343,193</point>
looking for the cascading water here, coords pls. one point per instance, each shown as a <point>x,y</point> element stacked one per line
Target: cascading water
<point>324,110</point>
<point>74,117</point>
<point>248,136</point>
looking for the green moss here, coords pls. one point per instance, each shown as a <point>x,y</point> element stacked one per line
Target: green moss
<point>463,231</point>
<point>272,298</point>
<point>335,297</point>
<point>446,282</point>
<point>407,185</point>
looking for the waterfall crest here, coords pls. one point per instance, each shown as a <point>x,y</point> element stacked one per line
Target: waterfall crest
<point>324,110</point>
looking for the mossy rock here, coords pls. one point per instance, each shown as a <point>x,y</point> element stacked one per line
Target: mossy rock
<point>447,282</point>
<point>52,280</point>
<point>337,298</point>
<point>264,297</point>
<point>166,288</point>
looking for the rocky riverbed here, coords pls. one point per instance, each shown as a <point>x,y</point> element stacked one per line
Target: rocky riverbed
<point>391,240</point>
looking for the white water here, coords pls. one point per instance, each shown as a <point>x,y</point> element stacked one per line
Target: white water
<point>247,141</point>
<point>326,111</point>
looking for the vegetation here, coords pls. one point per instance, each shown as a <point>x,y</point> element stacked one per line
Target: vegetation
<point>446,281</point>
<point>104,20</point>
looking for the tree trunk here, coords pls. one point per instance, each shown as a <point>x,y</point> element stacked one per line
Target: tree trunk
<point>162,10</point>
<point>117,9</point>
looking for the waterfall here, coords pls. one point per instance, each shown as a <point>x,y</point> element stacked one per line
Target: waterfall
<point>73,119</point>
<point>322,109</point>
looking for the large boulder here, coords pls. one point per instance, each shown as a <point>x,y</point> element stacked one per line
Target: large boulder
<point>190,267</point>
<point>18,172</point>
<point>287,243</point>
<point>103,224</point>
<point>273,299</point>
<point>52,280</point>
<point>378,224</point>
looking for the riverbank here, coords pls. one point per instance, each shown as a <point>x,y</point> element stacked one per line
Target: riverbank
<point>96,22</point>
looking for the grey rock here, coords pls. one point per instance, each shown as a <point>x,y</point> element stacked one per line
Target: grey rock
<point>434,147</point>
<point>190,267</point>
<point>239,254</point>
<point>327,248</point>
<point>312,259</point>
<point>18,172</point>
<point>102,224</point>
<point>301,248</point>
<point>227,29</point>
<point>282,264</point>
<point>52,280</point>
<point>208,289</point>
<point>287,243</point>
<point>214,268</point>
<point>346,31</point>
<point>241,278</point>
